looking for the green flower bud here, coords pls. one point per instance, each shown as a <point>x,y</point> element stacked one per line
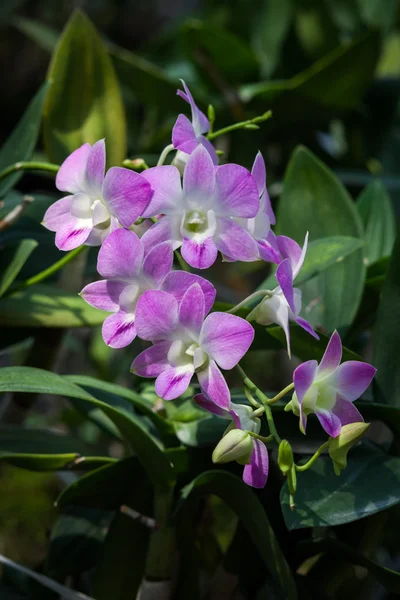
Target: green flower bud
<point>338,447</point>
<point>285,457</point>
<point>235,445</point>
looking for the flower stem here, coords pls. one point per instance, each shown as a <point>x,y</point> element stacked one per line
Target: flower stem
<point>262,438</point>
<point>164,154</point>
<point>258,294</point>
<point>281,394</point>
<point>28,166</point>
<point>312,460</point>
<point>182,262</point>
<point>50,270</point>
<point>250,398</point>
<point>241,125</point>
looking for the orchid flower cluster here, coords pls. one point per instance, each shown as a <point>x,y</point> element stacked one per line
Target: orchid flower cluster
<point>199,208</point>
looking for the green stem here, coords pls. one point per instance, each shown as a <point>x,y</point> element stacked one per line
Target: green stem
<point>262,438</point>
<point>281,394</point>
<point>312,460</point>
<point>28,166</point>
<point>258,294</point>
<point>50,270</point>
<point>250,398</point>
<point>182,263</point>
<point>240,125</point>
<point>164,154</point>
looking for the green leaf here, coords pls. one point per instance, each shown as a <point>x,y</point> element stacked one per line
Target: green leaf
<point>53,462</point>
<point>74,114</point>
<point>373,15</point>
<point>369,484</point>
<point>243,501</point>
<point>313,199</point>
<point>387,334</point>
<point>22,141</point>
<point>27,440</point>
<point>271,26</point>
<point>21,254</point>
<point>31,380</point>
<point>48,306</point>
<point>376,212</point>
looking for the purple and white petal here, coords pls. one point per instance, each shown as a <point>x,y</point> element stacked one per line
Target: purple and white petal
<point>72,233</point>
<point>329,422</point>
<point>210,406</point>
<point>183,135</point>
<point>199,176</point>
<point>199,254</point>
<point>284,275</point>
<point>126,194</point>
<point>165,182</point>
<point>152,361</point>
<point>303,378</point>
<point>55,214</point>
<point>332,356</point>
<point>71,176</point>
<point>156,315</point>
<point>226,338</point>
<point>120,256</point>
<point>103,294</point>
<point>234,242</point>
<point>200,122</point>
<point>236,191</point>
<point>119,330</point>
<point>95,167</point>
<point>259,173</point>
<point>347,412</point>
<point>158,233</point>
<point>353,378</point>
<point>177,282</point>
<point>307,327</point>
<point>173,381</point>
<point>267,251</point>
<point>256,473</point>
<point>214,386</point>
<point>158,263</point>
<point>210,148</point>
<point>291,250</point>
<point>192,309</point>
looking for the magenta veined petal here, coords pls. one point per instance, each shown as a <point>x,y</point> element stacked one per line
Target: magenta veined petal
<point>55,214</point>
<point>329,422</point>
<point>284,275</point>
<point>119,330</point>
<point>303,378</point>
<point>183,135</point>
<point>353,378</point>
<point>347,412</point>
<point>237,191</point>
<point>72,233</point>
<point>165,182</point>
<point>71,176</point>
<point>256,473</point>
<point>234,242</point>
<point>156,315</point>
<point>152,361</point>
<point>214,386</point>
<point>120,256</point>
<point>158,263</point>
<point>177,282</point>
<point>192,309</point>
<point>332,355</point>
<point>95,167</point>
<point>103,294</point>
<point>173,381</point>
<point>199,254</point>
<point>199,175</point>
<point>126,193</point>
<point>226,338</point>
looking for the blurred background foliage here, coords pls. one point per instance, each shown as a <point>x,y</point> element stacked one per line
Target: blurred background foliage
<point>330,72</point>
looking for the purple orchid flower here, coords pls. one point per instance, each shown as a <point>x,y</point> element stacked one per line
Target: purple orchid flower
<point>329,389</point>
<point>97,204</point>
<point>186,135</point>
<point>187,342</point>
<point>128,272</point>
<point>259,227</point>
<point>255,473</point>
<point>283,304</point>
<point>198,217</point>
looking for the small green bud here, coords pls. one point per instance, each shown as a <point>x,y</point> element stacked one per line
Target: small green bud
<point>338,447</point>
<point>235,445</point>
<point>136,164</point>
<point>285,457</point>
<point>211,114</point>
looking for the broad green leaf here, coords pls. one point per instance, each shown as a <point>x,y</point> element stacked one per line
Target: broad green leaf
<point>22,141</point>
<point>314,200</point>
<point>28,440</point>
<point>204,432</point>
<point>53,462</point>
<point>73,113</point>
<point>376,212</point>
<point>373,15</point>
<point>243,501</point>
<point>45,305</point>
<point>270,29</point>
<point>369,484</point>
<point>387,334</point>
<point>21,254</point>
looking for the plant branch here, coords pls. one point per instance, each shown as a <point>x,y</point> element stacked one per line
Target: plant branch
<point>28,166</point>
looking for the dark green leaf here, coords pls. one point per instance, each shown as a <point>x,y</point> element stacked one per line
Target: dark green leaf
<point>21,254</point>
<point>26,440</point>
<point>74,114</point>
<point>375,209</point>
<point>53,462</point>
<point>243,501</point>
<point>373,15</point>
<point>387,334</point>
<point>313,199</point>
<point>271,27</point>
<point>21,143</point>
<point>369,484</point>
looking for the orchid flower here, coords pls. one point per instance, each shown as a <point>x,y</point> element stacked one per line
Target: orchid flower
<point>198,217</point>
<point>283,304</point>
<point>329,389</point>
<point>186,135</point>
<point>187,342</point>
<point>259,226</point>
<point>255,472</point>
<point>97,204</point>
<point>128,272</point>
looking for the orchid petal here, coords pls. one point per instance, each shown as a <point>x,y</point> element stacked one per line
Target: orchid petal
<point>199,254</point>
<point>120,256</point>
<point>256,473</point>
<point>214,386</point>
<point>237,191</point>
<point>173,381</point>
<point>165,182</point>
<point>177,282</point>
<point>103,294</point>
<point>226,338</point>
<point>183,135</point>
<point>234,242</point>
<point>158,263</point>
<point>192,309</point>
<point>156,315</point>
<point>199,175</point>
<point>119,330</point>
<point>126,193</point>
<point>200,122</point>
<point>152,361</point>
<point>332,356</point>
<point>72,233</point>
<point>71,175</point>
<point>291,250</point>
<point>329,422</point>
<point>95,167</point>
<point>284,276</point>
<point>158,233</point>
<point>307,327</point>
<point>55,214</point>
<point>210,406</point>
<point>209,147</point>
<point>353,378</point>
<point>303,378</point>
<point>347,412</point>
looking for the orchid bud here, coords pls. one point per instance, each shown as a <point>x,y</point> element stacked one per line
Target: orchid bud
<point>180,160</point>
<point>339,446</point>
<point>136,164</point>
<point>235,445</point>
<point>285,457</point>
